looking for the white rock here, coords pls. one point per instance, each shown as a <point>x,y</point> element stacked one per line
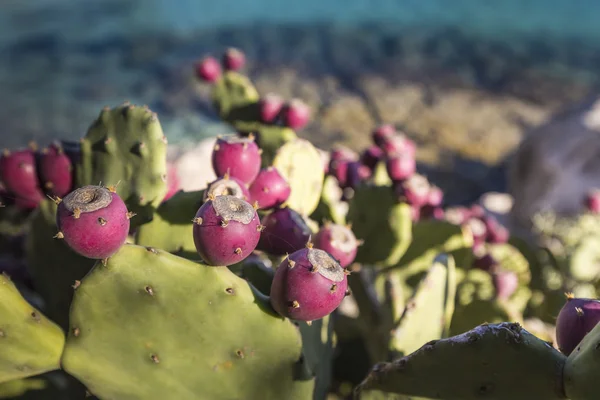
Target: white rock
<point>194,166</point>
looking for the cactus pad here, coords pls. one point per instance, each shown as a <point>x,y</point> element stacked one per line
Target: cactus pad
<point>484,363</point>
<point>180,330</point>
<point>30,344</point>
<point>581,372</point>
<point>299,162</point>
<point>125,147</point>
<point>235,97</point>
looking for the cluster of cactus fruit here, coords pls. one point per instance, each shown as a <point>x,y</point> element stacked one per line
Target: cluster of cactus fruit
<point>296,274</point>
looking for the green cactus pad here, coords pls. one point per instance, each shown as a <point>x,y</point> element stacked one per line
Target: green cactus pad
<point>511,259</point>
<point>171,228</point>
<point>235,97</point>
<point>258,273</point>
<point>125,147</point>
<point>30,344</point>
<point>178,330</point>
<point>492,362</point>
<point>15,389</point>
<point>582,370</point>
<point>300,163</point>
<point>384,224</point>
<point>584,262</point>
<point>54,266</point>
<point>428,313</point>
<point>331,207</point>
<point>270,138</point>
<point>318,349</point>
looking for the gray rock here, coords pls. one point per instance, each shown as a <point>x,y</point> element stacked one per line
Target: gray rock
<point>557,164</point>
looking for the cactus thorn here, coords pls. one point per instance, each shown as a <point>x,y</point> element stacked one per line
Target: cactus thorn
<point>76,284</point>
<point>295,304</point>
<point>224,223</point>
<point>216,148</point>
<point>59,235</point>
<point>198,221</point>
<point>149,290</point>
<point>104,261</point>
<point>291,263</point>
<point>88,393</point>
<point>76,332</point>
<point>107,140</point>
<point>360,242</point>
<point>101,221</point>
<point>151,250</point>
<point>347,293</point>
<point>349,225</point>
<point>579,311</point>
<point>240,353</point>
<point>569,296</point>
<point>347,272</point>
<point>226,175</point>
<point>314,269</point>
<point>333,288</point>
<point>35,316</point>
<point>113,188</point>
<point>164,139</point>
<point>55,199</point>
<point>309,323</point>
<point>211,196</point>
<point>255,205</point>
<point>229,290</point>
<point>131,214</point>
<point>49,185</point>
<point>260,151</point>
<point>154,358</point>
<point>76,212</point>
<point>265,189</point>
<point>309,244</point>
<point>244,146</point>
<point>238,251</point>
<point>260,228</point>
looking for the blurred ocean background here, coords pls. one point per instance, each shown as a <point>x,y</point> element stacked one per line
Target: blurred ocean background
<point>464,78</point>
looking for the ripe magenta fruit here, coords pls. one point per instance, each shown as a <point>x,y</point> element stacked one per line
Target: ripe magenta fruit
<point>414,190</point>
<point>18,172</point>
<point>237,156</point>
<point>505,283</point>
<point>296,114</point>
<point>56,170</point>
<point>233,59</point>
<point>401,166</point>
<point>398,144</point>
<point>308,285</point>
<point>226,230</point>
<point>339,241</point>
<point>285,231</point>
<point>209,69</point>
<point>371,156</point>
<point>356,174</point>
<point>575,320</point>
<point>382,133</point>
<point>592,201</point>
<point>435,197</point>
<point>270,107</point>
<point>227,186</point>
<point>93,221</point>
<point>270,189</point>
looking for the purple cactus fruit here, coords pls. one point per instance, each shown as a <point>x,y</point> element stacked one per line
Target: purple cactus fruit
<point>372,156</point>
<point>435,197</point>
<point>270,107</point>
<point>308,285</point>
<point>339,241</point>
<point>399,144</point>
<point>270,189</point>
<point>227,186</point>
<point>498,234</point>
<point>296,114</point>
<point>237,156</point>
<point>285,231</point>
<point>401,166</point>
<point>356,174</point>
<point>505,283</point>
<point>234,59</point>
<point>575,320</point>
<point>56,170</point>
<point>413,190</point>
<point>429,211</point>
<point>382,133</point>
<point>485,262</point>
<point>478,229</point>
<point>456,215</point>
<point>226,230</point>
<point>477,211</point>
<point>343,153</point>
<point>93,221</point>
<point>18,172</point>
<point>592,201</point>
<point>208,69</point>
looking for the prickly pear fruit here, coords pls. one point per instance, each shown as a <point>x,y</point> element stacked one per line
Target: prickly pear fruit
<point>270,107</point>
<point>398,144</point>
<point>339,241</point>
<point>233,59</point>
<point>285,231</point>
<point>505,283</point>
<point>308,285</point>
<point>270,189</point>
<point>371,156</point>
<point>237,156</point>
<point>19,175</point>
<point>357,173</point>
<point>56,170</point>
<point>228,186</point>
<point>93,221</point>
<point>209,69</point>
<point>580,374</point>
<point>383,133</point>
<point>414,190</point>
<point>296,114</point>
<point>592,201</point>
<point>575,320</point>
<point>226,230</point>
<point>401,166</point>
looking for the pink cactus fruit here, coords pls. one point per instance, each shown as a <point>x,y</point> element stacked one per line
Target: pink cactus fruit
<point>339,161</point>
<point>575,320</point>
<point>356,174</point>
<point>208,69</point>
<point>270,108</point>
<point>372,156</point>
<point>285,232</point>
<point>308,285</point>
<point>56,170</point>
<point>270,189</point>
<point>237,156</point>
<point>93,221</point>
<point>296,114</point>
<point>339,241</point>
<point>401,166</point>
<point>234,59</point>
<point>505,282</point>
<point>382,133</point>
<point>592,201</point>
<point>414,190</point>
<point>228,186</point>
<point>226,230</point>
<point>18,173</point>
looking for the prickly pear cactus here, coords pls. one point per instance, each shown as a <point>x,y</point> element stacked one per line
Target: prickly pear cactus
<point>428,313</point>
<point>384,224</point>
<point>18,387</point>
<point>331,207</point>
<point>482,363</point>
<point>181,330</point>
<point>581,370</point>
<point>30,344</point>
<point>171,227</point>
<point>232,96</point>
<point>270,138</point>
<point>299,162</point>
<point>125,147</point>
